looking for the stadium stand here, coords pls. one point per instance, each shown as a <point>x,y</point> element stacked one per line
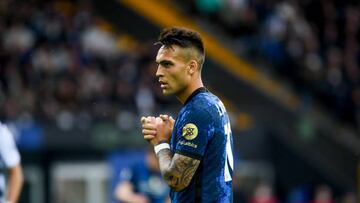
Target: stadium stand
<point>76,75</point>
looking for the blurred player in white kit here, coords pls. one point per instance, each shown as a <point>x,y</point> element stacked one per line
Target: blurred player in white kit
<point>9,163</point>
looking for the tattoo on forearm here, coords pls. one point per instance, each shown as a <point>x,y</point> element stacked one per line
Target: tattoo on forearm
<point>177,170</point>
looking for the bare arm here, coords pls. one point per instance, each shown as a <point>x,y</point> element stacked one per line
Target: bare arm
<point>15,183</point>
<point>125,193</point>
<point>177,170</point>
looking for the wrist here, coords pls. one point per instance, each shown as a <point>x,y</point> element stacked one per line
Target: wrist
<point>155,141</point>
<point>160,146</point>
<point>162,141</point>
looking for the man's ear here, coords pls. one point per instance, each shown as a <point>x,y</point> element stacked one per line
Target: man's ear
<point>193,66</point>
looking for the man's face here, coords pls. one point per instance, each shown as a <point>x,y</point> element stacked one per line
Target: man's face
<point>172,70</point>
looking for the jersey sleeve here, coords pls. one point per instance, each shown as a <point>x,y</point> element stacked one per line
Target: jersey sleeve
<point>194,132</point>
<point>126,174</point>
<point>8,151</point>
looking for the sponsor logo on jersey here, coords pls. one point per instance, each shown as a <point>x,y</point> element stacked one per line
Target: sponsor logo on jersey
<point>190,131</point>
<point>188,144</point>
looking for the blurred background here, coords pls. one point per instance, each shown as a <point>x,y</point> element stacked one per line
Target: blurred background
<point>76,76</point>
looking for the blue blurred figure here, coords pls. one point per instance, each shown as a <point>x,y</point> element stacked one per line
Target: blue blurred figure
<point>142,182</point>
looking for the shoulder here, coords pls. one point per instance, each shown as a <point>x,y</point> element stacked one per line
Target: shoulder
<point>130,171</point>
<point>202,109</point>
<point>6,136</point>
<point>138,165</point>
<point>205,103</point>
<point>8,150</point>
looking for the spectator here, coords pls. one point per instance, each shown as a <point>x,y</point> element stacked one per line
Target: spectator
<point>323,194</point>
<point>348,197</point>
<point>57,63</point>
<point>9,162</point>
<point>142,182</point>
<point>263,194</point>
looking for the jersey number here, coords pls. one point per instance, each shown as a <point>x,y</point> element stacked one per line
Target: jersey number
<point>229,162</point>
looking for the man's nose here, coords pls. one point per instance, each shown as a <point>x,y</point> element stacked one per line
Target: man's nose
<point>159,72</point>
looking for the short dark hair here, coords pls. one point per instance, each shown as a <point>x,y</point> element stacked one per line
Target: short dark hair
<point>183,37</point>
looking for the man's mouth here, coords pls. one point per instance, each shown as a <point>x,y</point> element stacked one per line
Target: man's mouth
<point>163,84</point>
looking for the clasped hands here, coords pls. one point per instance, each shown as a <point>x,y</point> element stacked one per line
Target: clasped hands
<point>157,129</point>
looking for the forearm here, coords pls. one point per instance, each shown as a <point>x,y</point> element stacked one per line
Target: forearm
<point>15,183</point>
<point>177,170</point>
<point>167,169</point>
<point>125,193</point>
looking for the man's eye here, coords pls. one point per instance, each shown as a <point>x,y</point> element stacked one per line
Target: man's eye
<point>166,64</point>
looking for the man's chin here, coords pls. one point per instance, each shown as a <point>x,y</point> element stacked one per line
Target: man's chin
<point>167,92</point>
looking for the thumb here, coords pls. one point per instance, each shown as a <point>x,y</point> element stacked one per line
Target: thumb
<point>143,119</point>
<point>164,117</point>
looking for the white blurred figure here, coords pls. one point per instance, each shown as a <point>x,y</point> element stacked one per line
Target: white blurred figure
<point>98,42</point>
<point>348,197</point>
<point>264,194</point>
<point>145,100</point>
<point>323,194</point>
<point>9,162</point>
<point>18,39</point>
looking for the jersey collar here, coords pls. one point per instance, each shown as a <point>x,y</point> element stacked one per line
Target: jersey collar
<point>197,91</point>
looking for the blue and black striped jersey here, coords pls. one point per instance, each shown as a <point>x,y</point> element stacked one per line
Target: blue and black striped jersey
<point>202,131</point>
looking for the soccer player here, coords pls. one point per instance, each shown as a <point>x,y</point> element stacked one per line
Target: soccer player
<point>195,151</point>
<point>142,182</point>
<point>10,162</point>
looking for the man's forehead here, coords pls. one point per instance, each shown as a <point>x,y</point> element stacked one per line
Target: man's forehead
<point>168,49</point>
<point>166,52</point>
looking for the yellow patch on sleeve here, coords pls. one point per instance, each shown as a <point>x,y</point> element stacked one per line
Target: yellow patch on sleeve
<point>190,131</point>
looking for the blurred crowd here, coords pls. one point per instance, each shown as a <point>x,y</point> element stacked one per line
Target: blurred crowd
<point>312,44</point>
<point>58,65</point>
<point>264,193</point>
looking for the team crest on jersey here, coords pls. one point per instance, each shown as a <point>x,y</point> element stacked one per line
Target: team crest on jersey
<point>190,131</point>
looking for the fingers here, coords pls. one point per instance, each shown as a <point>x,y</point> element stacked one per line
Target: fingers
<point>167,118</point>
<point>148,119</point>
<point>149,132</point>
<point>151,119</point>
<point>164,117</point>
<point>158,120</point>
<point>149,137</point>
<point>171,119</point>
<point>149,126</point>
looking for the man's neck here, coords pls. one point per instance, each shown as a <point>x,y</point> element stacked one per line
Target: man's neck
<point>182,97</point>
